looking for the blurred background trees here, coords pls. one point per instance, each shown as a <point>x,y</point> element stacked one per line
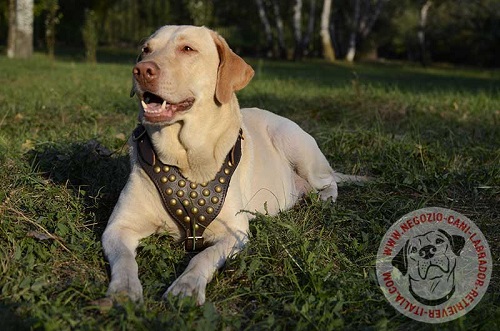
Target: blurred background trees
<point>454,31</point>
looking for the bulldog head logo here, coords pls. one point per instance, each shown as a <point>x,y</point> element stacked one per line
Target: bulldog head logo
<point>430,260</point>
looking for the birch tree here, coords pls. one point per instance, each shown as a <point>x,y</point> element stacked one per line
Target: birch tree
<point>302,40</point>
<point>20,37</point>
<point>267,26</point>
<point>366,13</point>
<point>280,29</point>
<point>297,28</point>
<point>421,31</point>
<point>326,38</point>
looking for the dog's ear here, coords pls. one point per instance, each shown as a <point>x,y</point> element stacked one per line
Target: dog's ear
<point>400,261</point>
<point>233,74</point>
<point>457,242</point>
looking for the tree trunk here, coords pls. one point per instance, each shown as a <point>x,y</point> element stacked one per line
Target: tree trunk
<point>51,21</point>
<point>310,28</point>
<point>297,29</point>
<point>368,18</point>
<point>267,27</point>
<point>280,29</point>
<point>421,31</point>
<point>20,39</point>
<point>326,39</point>
<point>363,22</point>
<point>351,51</point>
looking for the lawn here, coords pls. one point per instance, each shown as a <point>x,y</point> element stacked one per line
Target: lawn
<point>428,137</point>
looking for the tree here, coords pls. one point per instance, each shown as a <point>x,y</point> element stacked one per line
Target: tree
<point>267,27</point>
<point>20,38</point>
<point>280,30</point>
<point>366,13</point>
<point>302,40</point>
<point>90,37</point>
<point>201,11</point>
<point>52,19</point>
<point>326,39</point>
<point>421,31</point>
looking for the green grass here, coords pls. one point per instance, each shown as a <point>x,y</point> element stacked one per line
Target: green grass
<point>429,137</point>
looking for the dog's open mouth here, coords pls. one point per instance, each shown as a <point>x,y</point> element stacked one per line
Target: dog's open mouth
<point>157,109</point>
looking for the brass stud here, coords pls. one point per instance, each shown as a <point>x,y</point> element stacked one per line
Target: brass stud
<point>193,195</point>
<point>222,180</point>
<point>201,202</point>
<point>171,178</point>
<point>166,168</point>
<point>163,179</point>
<point>215,199</point>
<point>229,163</point>
<point>156,169</point>
<point>218,189</point>
<point>187,219</point>
<point>173,202</point>
<point>180,193</point>
<point>185,202</point>
<point>178,212</point>
<point>193,186</point>
<point>194,210</point>
<point>227,171</point>
<point>196,226</point>
<point>204,184</point>
<point>201,218</point>
<point>206,192</point>
<point>182,183</point>
<point>169,191</point>
<point>210,210</point>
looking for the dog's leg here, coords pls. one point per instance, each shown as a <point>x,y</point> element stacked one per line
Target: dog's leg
<point>203,266</point>
<point>304,155</point>
<point>129,223</point>
<point>119,245</point>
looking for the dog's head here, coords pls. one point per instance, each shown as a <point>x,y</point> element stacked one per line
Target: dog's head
<point>183,66</point>
<point>429,254</point>
<point>430,260</point>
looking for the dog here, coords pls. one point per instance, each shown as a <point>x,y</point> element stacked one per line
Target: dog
<point>430,260</point>
<point>194,136</point>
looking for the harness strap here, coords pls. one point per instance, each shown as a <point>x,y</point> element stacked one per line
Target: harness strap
<point>192,205</point>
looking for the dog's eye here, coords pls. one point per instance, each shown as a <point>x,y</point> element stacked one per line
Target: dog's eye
<point>146,50</point>
<point>187,49</point>
<point>439,241</point>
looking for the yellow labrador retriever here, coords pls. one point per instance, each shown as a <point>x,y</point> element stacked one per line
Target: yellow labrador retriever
<point>199,161</point>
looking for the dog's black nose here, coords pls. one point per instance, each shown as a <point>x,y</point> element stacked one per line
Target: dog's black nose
<point>427,252</point>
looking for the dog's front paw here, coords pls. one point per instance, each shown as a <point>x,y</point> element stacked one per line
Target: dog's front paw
<point>329,193</point>
<point>189,285</point>
<point>126,288</point>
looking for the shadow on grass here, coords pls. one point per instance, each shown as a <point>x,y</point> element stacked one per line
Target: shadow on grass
<point>89,169</point>
<point>10,319</point>
<point>406,78</point>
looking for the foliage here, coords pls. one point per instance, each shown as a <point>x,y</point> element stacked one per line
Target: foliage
<point>464,32</point>
<point>427,136</point>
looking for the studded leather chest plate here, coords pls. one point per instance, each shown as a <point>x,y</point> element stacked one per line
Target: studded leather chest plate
<point>192,205</point>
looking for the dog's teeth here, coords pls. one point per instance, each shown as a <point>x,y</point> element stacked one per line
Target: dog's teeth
<point>164,105</point>
<point>144,105</point>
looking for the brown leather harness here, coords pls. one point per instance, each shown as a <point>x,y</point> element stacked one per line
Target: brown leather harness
<point>192,205</point>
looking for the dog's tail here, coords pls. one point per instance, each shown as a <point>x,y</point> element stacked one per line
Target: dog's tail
<point>343,178</point>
